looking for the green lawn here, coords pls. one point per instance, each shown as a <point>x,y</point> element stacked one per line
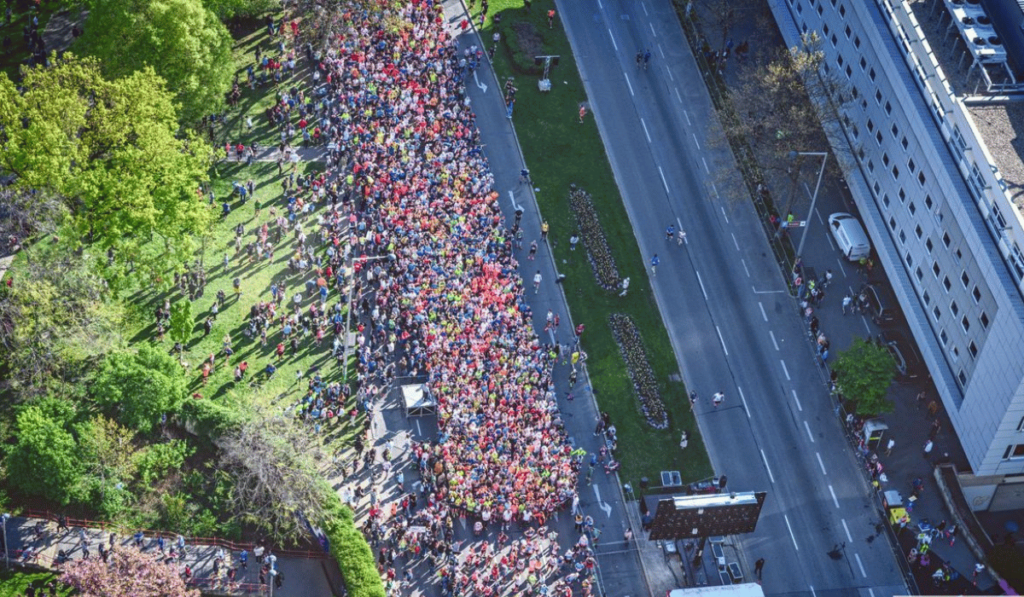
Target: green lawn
<point>13,583</point>
<point>559,151</point>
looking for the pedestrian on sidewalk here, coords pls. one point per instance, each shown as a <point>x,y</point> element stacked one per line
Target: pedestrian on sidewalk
<point>928,448</point>
<point>628,535</point>
<point>583,112</point>
<point>654,264</point>
<point>951,533</point>
<point>847,303</point>
<point>758,567</point>
<point>888,447</point>
<point>936,427</point>
<point>573,240</point>
<point>536,282</point>
<point>533,251</point>
<point>933,408</point>
<point>718,398</point>
<point>551,18</point>
<point>544,227</point>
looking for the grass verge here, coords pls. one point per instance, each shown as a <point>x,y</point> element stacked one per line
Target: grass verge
<point>560,151</point>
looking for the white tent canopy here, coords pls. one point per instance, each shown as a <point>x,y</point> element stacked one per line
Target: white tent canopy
<point>418,401</point>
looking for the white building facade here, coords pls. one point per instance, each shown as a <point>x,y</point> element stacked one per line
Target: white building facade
<point>938,212</point>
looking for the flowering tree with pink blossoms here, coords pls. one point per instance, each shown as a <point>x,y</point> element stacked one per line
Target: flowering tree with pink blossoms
<point>128,572</point>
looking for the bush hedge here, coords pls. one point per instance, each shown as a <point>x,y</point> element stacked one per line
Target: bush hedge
<point>350,549</point>
<point>627,336</point>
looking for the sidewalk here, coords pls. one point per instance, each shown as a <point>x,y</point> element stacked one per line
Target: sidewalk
<point>910,424</point>
<point>304,573</point>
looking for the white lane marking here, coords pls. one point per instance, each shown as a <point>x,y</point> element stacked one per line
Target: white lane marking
<point>680,98</point>
<point>784,370</point>
<point>866,327</point>
<point>763,314</point>
<point>791,535</point>
<point>482,86</point>
<point>774,343</point>
<point>714,190</point>
<point>813,594</point>
<point>870,592</point>
<point>735,242</point>
<point>841,268</point>
<point>630,85</point>
<point>419,430</point>
<point>680,222</point>
<point>601,6</point>
<point>613,39</point>
<point>720,338</point>
<point>744,399</point>
<point>767,468</point>
<point>669,70</point>
<point>818,213</point>
<point>706,169</point>
<point>828,237</point>
<point>645,130</point>
<point>860,565</point>
<point>602,505</point>
<point>820,463</point>
<point>744,262</point>
<point>799,406</point>
<point>662,51</point>
<point>644,6</point>
<point>512,198</point>
<point>849,537</point>
<point>696,141</point>
<point>663,181</point>
<point>653,32</point>
<point>720,207</point>
<point>834,500</point>
<point>701,282</point>
<point>809,434</point>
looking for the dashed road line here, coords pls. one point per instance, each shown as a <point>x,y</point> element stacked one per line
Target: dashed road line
<point>645,130</point>
<point>680,98</point>
<point>799,406</point>
<point>735,242</point>
<point>820,463</point>
<point>763,314</point>
<point>784,370</point>
<point>860,565</point>
<point>834,500</point>
<point>706,169</point>
<point>662,51</point>
<point>720,338</point>
<point>630,85</point>
<point>670,76</point>
<point>663,181</point>
<point>774,343</point>
<point>701,282</point>
<point>791,535</point>
<point>849,537</point>
<point>744,400</point>
<point>724,215</point>
<point>696,141</point>
<point>653,32</point>
<point>809,434</point>
<point>613,39</point>
<point>644,6</point>
<point>744,262</point>
<point>767,468</point>
<point>866,326</point>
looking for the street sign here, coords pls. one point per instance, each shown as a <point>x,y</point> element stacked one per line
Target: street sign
<point>796,224</point>
<point>682,517</point>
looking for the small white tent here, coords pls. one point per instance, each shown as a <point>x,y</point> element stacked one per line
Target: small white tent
<point>418,401</point>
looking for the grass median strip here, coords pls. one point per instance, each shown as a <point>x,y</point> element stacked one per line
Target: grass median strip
<point>560,152</point>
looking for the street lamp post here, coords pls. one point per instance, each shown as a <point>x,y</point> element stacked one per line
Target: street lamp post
<point>814,197</point>
<point>7,546</point>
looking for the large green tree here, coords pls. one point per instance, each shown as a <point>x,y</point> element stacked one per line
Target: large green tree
<point>865,371</point>
<point>44,459</point>
<point>183,41</point>
<point>229,9</point>
<point>139,387</point>
<point>111,149</point>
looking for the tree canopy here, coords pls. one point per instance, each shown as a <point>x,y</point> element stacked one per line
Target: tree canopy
<point>44,460</point>
<point>183,42</point>
<point>865,371</point>
<point>229,9</point>
<point>110,149</point>
<point>139,387</point>
<point>128,572</point>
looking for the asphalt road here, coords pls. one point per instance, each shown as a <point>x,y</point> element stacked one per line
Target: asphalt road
<point>733,327</point>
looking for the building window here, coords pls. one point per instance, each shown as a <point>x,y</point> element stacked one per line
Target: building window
<point>920,178</point>
<point>877,188</point>
<point>842,13</point>
<point>895,131</point>
<point>840,60</point>
<point>895,172</point>
<point>885,157</point>
<point>849,72</point>
<point>863,63</point>
<point>848,31</point>
<point>955,353</point>
<point>892,223</point>
<point>878,137</point>
<point>965,279</point>
<point>871,73</point>
<point>800,8</point>
<point>871,126</point>
<point>945,239</point>
<point>946,283</point>
<point>913,168</point>
<point>878,96</point>
<point>936,269</point>
<point>903,237</point>
<point>943,337</point>
<point>928,245</point>
<point>920,275</point>
<point>904,142</point>
<point>910,259</point>
<point>885,200</point>
<point>973,348</point>
<point>936,313</point>
<point>966,324</point>
<point>984,320</point>
<point>927,198</point>
<point>962,377</point>
<point>834,40</point>
<point>913,210</point>
<point>856,40</point>
<point>918,231</point>
<point>819,10</point>
<point>977,295</point>
<point>903,195</point>
<point>954,308</point>
<point>824,28</point>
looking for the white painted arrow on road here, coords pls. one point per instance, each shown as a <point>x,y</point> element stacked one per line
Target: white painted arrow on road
<point>482,86</point>
<point>606,507</point>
